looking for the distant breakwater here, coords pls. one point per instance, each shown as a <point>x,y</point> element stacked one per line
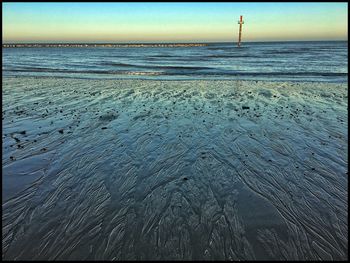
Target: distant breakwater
<point>104,45</point>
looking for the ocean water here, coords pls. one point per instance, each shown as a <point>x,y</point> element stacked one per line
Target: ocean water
<point>289,61</point>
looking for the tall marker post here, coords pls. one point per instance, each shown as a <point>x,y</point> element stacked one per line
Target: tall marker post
<point>240,22</point>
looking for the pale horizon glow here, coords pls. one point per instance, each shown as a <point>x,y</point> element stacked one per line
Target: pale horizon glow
<point>172,22</point>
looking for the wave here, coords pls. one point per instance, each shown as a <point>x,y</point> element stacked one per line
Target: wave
<point>233,56</point>
<point>116,64</point>
<point>86,71</point>
<point>155,66</point>
<point>190,71</point>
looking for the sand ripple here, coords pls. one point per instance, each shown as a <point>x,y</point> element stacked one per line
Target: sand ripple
<point>147,170</point>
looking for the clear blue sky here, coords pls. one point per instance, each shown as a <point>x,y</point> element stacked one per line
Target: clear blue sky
<point>172,22</point>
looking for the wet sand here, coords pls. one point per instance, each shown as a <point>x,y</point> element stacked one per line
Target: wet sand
<point>148,170</point>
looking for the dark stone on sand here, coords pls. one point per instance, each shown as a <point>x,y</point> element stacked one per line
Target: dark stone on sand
<point>185,178</point>
<point>103,128</point>
<point>61,131</point>
<point>245,107</point>
<point>22,132</point>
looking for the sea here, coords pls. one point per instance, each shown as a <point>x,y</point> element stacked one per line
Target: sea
<point>321,61</point>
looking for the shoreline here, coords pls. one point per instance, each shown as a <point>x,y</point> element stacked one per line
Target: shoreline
<point>159,79</point>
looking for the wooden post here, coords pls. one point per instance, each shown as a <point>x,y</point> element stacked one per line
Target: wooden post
<point>240,22</point>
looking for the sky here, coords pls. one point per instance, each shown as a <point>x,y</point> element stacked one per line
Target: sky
<point>172,22</point>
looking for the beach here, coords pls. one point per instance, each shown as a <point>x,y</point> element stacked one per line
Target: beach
<point>179,170</point>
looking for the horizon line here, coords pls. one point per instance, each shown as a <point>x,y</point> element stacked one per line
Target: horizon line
<point>161,42</point>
